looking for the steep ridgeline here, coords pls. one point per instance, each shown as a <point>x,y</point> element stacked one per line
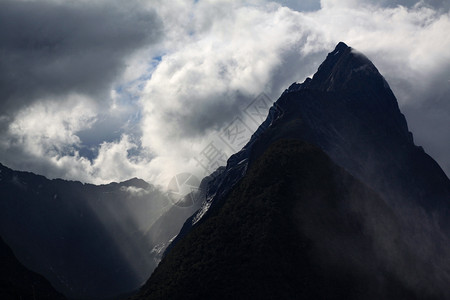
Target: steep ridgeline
<point>87,240</point>
<point>17,282</point>
<point>349,111</point>
<point>168,225</point>
<point>362,214</point>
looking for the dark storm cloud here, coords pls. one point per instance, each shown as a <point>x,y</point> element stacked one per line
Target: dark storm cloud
<point>51,49</point>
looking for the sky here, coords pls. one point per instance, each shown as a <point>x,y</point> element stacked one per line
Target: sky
<point>107,90</point>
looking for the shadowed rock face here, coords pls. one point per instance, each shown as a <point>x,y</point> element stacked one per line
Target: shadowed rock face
<point>17,282</point>
<point>383,216</point>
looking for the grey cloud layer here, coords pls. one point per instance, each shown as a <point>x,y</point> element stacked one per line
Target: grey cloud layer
<point>52,49</point>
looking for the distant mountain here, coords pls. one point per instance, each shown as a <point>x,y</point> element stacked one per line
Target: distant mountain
<point>329,199</point>
<point>167,227</point>
<point>87,240</point>
<point>17,282</point>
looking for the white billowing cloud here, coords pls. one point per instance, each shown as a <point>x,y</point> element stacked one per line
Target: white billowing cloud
<point>48,127</point>
<point>231,56</point>
<point>45,135</point>
<point>213,58</point>
<point>232,51</point>
<point>115,162</point>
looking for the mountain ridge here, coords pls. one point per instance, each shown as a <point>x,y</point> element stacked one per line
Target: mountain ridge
<point>87,240</point>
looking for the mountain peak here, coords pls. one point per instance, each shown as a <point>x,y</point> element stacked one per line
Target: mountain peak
<point>340,47</point>
<point>343,69</point>
<point>136,182</point>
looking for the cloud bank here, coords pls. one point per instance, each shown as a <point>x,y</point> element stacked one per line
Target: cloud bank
<point>104,91</point>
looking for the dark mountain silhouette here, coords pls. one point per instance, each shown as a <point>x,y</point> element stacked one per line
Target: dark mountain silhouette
<point>338,203</point>
<point>87,240</point>
<point>296,227</point>
<point>17,282</point>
